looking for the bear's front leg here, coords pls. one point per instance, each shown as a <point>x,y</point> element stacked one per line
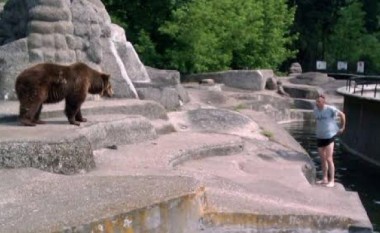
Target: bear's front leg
<point>79,117</point>
<point>71,111</point>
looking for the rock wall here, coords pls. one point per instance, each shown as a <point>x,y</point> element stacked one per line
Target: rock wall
<point>65,31</point>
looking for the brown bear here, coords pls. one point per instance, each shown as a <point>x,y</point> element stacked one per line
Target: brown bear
<point>51,83</point>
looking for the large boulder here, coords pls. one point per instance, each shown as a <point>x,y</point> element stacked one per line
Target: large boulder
<point>164,87</point>
<point>311,78</point>
<point>244,79</point>
<point>295,69</point>
<point>132,63</point>
<point>303,91</point>
<point>64,32</point>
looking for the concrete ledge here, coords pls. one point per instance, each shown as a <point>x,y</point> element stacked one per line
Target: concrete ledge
<point>244,79</point>
<point>33,201</point>
<point>109,130</point>
<point>61,148</point>
<point>63,155</point>
<point>149,109</point>
<point>302,91</point>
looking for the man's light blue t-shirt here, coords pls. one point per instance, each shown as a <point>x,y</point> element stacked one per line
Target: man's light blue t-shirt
<point>327,126</point>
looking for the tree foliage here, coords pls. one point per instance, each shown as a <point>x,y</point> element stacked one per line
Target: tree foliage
<point>213,35</point>
<point>141,20</point>
<point>348,34</point>
<point>335,30</point>
<point>200,35</point>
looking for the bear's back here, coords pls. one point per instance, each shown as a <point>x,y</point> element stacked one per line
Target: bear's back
<point>42,78</point>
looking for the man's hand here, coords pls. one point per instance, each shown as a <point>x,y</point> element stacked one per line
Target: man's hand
<point>341,130</point>
<point>342,121</point>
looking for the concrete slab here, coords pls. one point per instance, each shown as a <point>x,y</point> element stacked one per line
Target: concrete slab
<point>149,109</point>
<point>265,179</point>
<point>248,181</point>
<point>35,201</point>
<point>62,148</point>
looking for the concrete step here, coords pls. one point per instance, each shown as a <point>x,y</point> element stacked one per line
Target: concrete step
<point>62,148</point>
<point>149,109</point>
<point>35,201</point>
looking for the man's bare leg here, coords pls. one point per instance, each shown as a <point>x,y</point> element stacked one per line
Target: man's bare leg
<point>331,166</point>
<point>324,164</point>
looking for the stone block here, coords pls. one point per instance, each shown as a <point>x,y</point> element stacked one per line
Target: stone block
<point>271,83</point>
<point>60,42</point>
<point>207,81</point>
<point>132,63</point>
<point>49,13</point>
<point>243,79</point>
<point>73,42</point>
<point>182,93</point>
<point>66,157</point>
<point>49,55</point>
<point>36,55</point>
<point>48,41</point>
<point>13,58</point>
<point>94,52</point>
<point>35,40</point>
<point>65,56</point>
<point>112,64</point>
<point>49,27</point>
<point>303,92</point>
<point>166,96</point>
<point>295,68</point>
<point>163,77</point>
<point>311,78</point>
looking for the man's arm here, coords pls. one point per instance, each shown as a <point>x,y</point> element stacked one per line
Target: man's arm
<point>342,121</point>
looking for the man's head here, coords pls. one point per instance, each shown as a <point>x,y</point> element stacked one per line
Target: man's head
<point>320,101</point>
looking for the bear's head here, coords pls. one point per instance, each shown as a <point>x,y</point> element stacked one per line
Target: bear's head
<point>107,88</point>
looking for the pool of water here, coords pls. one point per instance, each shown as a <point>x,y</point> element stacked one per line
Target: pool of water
<point>354,173</point>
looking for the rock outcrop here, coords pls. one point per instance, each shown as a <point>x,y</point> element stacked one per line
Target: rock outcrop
<point>65,32</point>
<point>295,69</point>
<point>311,78</point>
<point>253,80</point>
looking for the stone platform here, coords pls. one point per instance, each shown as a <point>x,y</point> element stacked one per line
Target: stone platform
<point>204,175</point>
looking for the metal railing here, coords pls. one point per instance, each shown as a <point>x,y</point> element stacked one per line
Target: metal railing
<point>362,81</point>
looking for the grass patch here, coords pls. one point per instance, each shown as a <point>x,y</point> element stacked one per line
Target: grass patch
<point>267,134</point>
<point>240,107</point>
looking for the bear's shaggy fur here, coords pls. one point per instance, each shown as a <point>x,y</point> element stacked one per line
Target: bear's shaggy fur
<point>51,83</point>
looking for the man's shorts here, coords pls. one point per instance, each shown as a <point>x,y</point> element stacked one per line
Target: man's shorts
<point>324,142</point>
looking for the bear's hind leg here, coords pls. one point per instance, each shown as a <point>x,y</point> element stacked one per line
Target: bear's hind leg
<point>36,118</point>
<point>27,113</point>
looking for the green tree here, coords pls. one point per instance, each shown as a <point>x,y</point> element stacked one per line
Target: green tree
<point>372,9</point>
<point>346,39</point>
<point>350,41</point>
<point>210,35</point>
<point>274,37</point>
<point>141,20</point>
<point>314,21</point>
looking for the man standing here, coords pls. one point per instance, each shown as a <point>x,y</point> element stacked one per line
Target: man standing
<point>326,131</point>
